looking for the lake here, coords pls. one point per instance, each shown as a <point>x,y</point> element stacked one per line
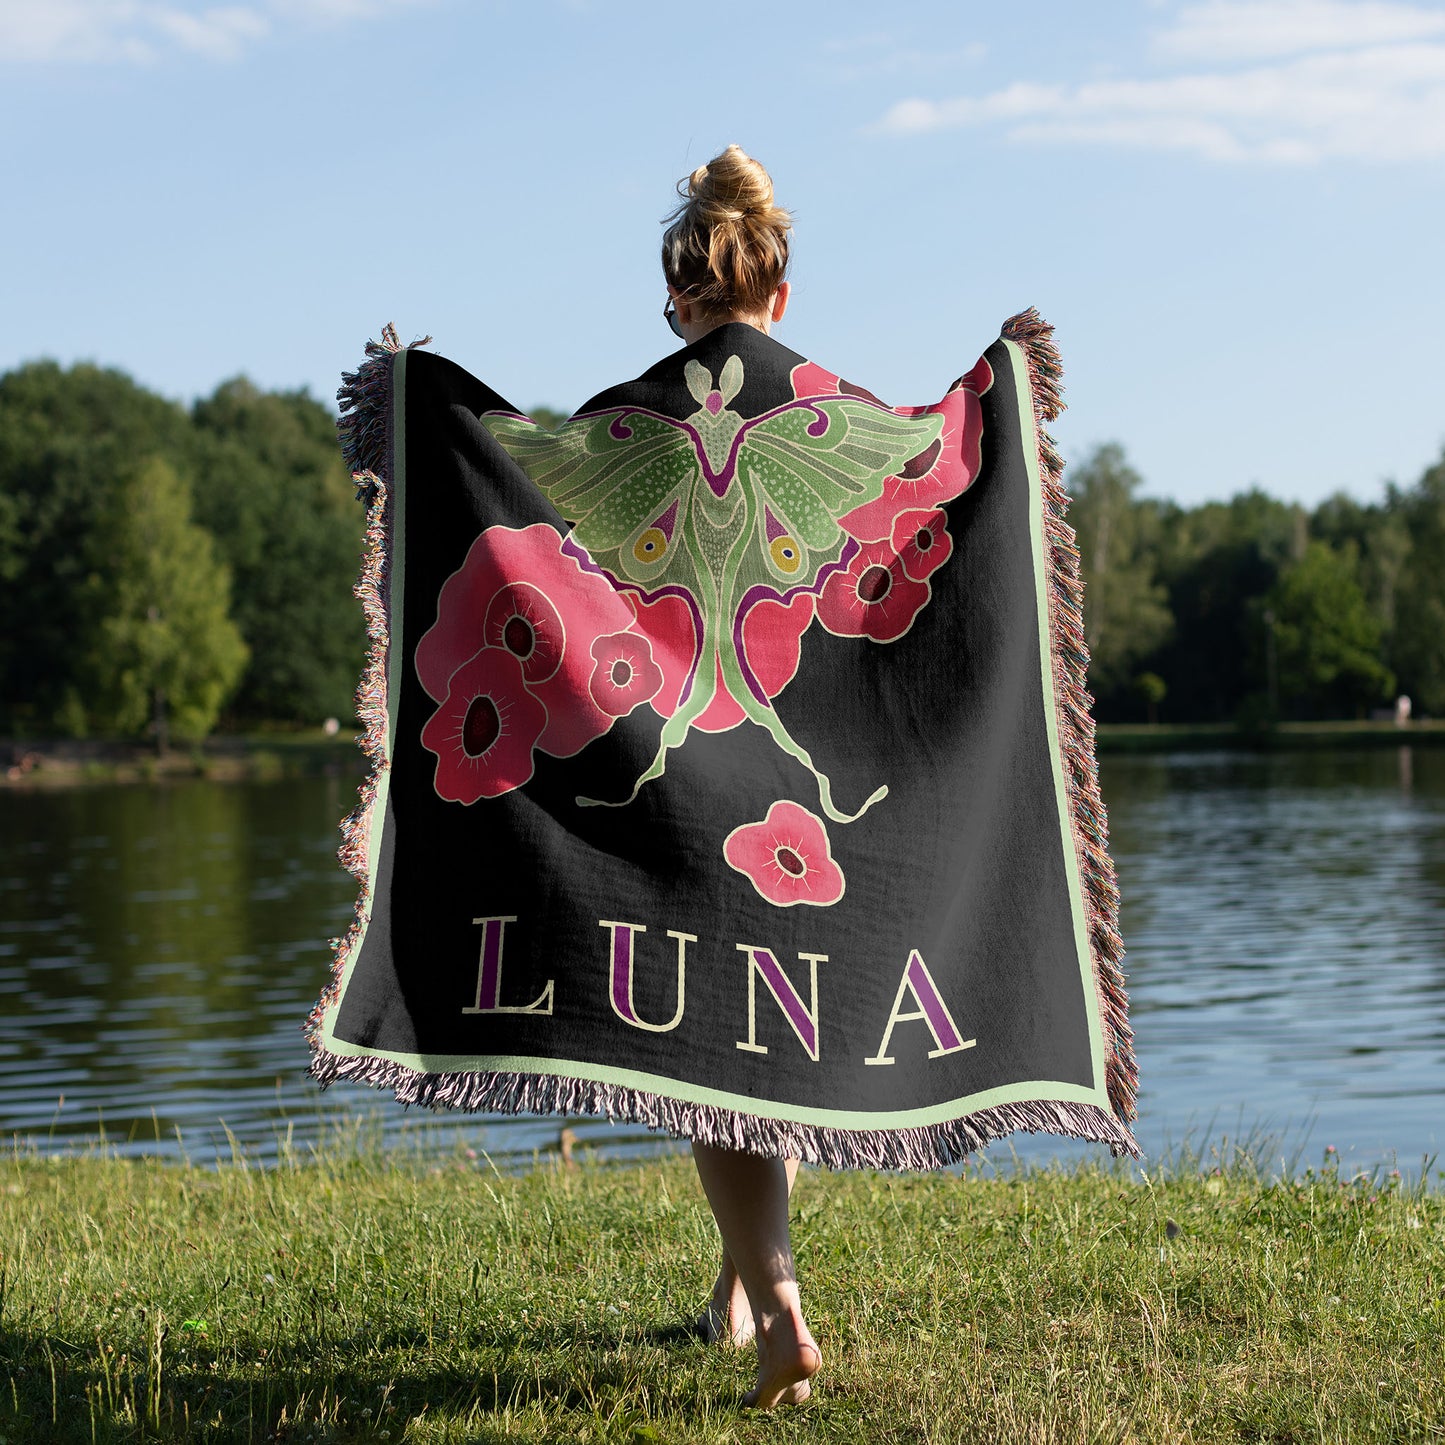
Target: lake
<point>160,948</point>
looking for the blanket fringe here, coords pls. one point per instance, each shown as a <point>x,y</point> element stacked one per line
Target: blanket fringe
<point>928,1146</point>
<point>365,433</point>
<point>1089,822</point>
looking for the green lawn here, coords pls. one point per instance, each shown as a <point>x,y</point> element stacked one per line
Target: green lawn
<point>361,1297</point>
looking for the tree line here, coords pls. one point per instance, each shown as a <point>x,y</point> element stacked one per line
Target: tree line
<point>165,569</point>
<point>1257,610</point>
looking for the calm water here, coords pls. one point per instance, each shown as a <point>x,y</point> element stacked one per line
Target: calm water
<point>1285,916</point>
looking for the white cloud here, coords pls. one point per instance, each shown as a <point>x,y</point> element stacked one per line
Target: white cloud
<point>860,57</point>
<point>1266,29</point>
<point>1360,81</point>
<point>143,31</point>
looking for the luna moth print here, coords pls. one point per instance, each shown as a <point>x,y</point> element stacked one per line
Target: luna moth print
<point>724,511</point>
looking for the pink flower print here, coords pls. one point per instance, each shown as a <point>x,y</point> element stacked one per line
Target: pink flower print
<point>624,674</point>
<point>485,729</point>
<point>874,598</point>
<point>521,619</point>
<point>519,592</point>
<point>786,857</point>
<point>921,542</point>
<point>938,474</point>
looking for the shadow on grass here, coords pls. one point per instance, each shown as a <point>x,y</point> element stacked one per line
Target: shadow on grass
<point>353,1387</point>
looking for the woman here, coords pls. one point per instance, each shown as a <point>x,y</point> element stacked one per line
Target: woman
<point>724,257</point>
<point>732,768</point>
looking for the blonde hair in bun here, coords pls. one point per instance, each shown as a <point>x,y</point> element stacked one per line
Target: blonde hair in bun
<point>726,246</point>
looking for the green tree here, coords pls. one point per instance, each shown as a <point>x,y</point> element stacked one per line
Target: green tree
<point>1418,649</point>
<point>65,437</point>
<point>1218,562</point>
<point>276,496</point>
<point>1327,640</point>
<point>165,655</point>
<point>1126,612</point>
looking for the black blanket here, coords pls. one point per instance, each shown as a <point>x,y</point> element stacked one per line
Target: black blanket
<point>733,764</point>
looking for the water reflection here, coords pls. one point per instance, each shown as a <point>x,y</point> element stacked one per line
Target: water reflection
<point>1285,915</point>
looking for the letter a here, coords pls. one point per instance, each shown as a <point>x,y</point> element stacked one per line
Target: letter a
<point>489,975</point>
<point>931,1009</point>
<point>620,982</point>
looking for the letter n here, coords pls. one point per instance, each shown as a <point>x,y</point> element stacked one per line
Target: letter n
<point>620,979</point>
<point>803,1018</point>
<point>931,1009</point>
<point>489,975</point>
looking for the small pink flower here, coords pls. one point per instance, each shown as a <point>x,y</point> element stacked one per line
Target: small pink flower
<point>874,598</point>
<point>786,857</point>
<point>524,621</point>
<point>922,542</point>
<point>484,731</point>
<point>625,674</point>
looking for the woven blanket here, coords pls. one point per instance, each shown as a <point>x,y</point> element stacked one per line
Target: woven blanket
<point>733,770</point>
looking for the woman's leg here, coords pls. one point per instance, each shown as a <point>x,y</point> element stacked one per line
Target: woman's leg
<point>728,1316</point>
<point>749,1199</point>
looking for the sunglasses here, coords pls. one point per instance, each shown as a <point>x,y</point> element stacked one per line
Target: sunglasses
<point>669,315</point>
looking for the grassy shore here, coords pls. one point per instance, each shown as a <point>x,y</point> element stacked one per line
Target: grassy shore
<point>226,757</point>
<point>355,1297</point>
<point>263,756</point>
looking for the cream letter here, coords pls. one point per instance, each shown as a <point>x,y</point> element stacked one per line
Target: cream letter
<point>489,975</point>
<point>804,1020</point>
<point>931,1009</point>
<point>620,982</point>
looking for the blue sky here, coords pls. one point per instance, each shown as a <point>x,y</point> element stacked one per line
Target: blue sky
<point>1231,209</point>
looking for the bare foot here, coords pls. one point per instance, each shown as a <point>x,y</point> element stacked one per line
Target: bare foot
<point>728,1318</point>
<point>788,1358</point>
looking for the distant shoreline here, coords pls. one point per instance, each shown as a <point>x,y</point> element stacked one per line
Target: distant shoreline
<point>1287,737</point>
<point>42,764</point>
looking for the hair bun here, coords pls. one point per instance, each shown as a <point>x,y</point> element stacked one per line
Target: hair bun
<point>732,182</point>
<point>726,244</point>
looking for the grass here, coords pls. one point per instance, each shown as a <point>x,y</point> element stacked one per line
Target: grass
<point>356,1296</point>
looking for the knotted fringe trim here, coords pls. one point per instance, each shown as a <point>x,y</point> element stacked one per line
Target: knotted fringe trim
<point>364,429</point>
<point>365,433</point>
<point>1088,819</point>
<point>928,1146</point>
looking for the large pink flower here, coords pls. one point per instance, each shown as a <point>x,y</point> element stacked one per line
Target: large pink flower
<point>485,729</point>
<point>771,640</point>
<point>518,591</point>
<point>623,673</point>
<point>922,542</point>
<point>874,598</point>
<point>938,474</point>
<point>786,857</point>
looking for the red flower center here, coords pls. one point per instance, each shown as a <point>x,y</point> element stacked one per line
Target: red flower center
<point>789,862</point>
<point>923,539</point>
<point>621,672</point>
<point>481,727</point>
<point>874,584</point>
<point>519,637</point>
